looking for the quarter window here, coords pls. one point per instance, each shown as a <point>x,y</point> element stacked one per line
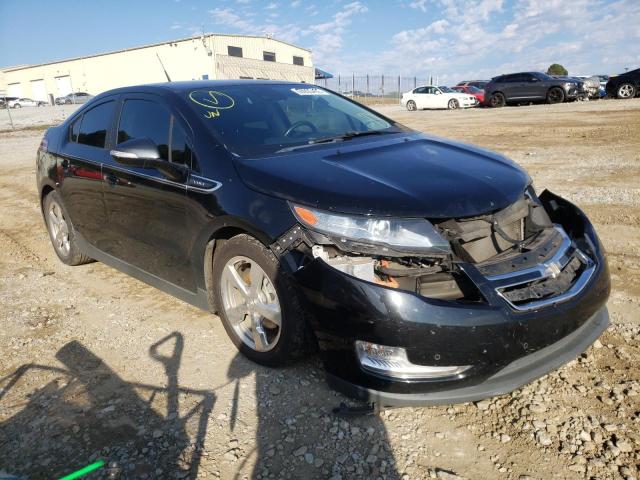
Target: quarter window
<point>269,56</point>
<point>298,61</point>
<point>145,119</point>
<point>94,125</point>
<point>234,51</point>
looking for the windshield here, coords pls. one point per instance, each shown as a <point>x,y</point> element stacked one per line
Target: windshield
<point>474,90</point>
<point>265,118</point>
<point>447,90</point>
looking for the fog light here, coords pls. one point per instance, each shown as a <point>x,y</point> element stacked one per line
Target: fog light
<point>392,362</point>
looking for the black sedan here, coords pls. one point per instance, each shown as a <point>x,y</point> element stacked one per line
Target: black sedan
<point>625,85</point>
<point>425,271</point>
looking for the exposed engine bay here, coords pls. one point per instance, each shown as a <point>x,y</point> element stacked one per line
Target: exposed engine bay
<point>500,246</point>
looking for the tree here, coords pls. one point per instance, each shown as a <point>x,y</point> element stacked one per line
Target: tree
<point>557,69</point>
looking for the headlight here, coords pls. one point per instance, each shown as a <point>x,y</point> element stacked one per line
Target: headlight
<point>410,235</point>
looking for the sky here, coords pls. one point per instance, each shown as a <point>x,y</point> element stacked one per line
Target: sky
<point>452,39</point>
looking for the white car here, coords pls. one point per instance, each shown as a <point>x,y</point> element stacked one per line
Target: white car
<point>430,96</point>
<point>22,102</point>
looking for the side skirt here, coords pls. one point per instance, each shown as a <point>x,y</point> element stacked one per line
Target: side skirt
<point>198,299</point>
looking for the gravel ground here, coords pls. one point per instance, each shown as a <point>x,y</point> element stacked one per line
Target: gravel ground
<point>96,365</point>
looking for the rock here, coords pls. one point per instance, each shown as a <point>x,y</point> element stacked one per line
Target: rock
<point>308,457</point>
<point>318,462</point>
<point>597,344</point>
<point>372,459</point>
<point>577,468</point>
<point>624,446</point>
<point>504,438</point>
<point>446,475</point>
<point>300,451</point>
<point>537,408</point>
<point>274,390</point>
<point>157,433</point>
<point>543,439</point>
<point>483,405</point>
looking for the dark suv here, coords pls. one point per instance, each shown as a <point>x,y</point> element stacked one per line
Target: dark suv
<point>531,86</point>
<point>625,85</point>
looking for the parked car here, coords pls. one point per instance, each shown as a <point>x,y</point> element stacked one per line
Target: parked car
<point>592,86</point>
<point>429,96</point>
<point>424,270</point>
<point>5,100</point>
<point>531,86</point>
<point>22,102</point>
<point>75,98</point>
<point>625,85</point>
<point>473,83</point>
<point>471,90</point>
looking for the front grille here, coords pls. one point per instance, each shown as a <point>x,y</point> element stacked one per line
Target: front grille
<point>553,280</point>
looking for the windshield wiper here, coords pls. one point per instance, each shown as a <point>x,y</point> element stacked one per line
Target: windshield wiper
<point>347,136</point>
<point>336,138</point>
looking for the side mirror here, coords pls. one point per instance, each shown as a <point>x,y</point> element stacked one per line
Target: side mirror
<point>144,153</point>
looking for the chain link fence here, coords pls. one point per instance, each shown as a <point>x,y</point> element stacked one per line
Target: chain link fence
<point>374,89</point>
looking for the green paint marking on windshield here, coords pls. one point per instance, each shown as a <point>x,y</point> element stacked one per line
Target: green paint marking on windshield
<point>84,471</point>
<point>213,101</point>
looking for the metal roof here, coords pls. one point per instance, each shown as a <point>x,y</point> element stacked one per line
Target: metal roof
<point>21,67</point>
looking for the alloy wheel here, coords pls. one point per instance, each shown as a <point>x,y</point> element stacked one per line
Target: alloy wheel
<point>453,104</point>
<point>251,304</point>
<point>625,91</point>
<point>59,229</point>
<point>555,95</point>
<point>411,105</point>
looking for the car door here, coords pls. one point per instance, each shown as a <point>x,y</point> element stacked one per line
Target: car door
<point>146,210</point>
<point>83,149</point>
<point>418,96</point>
<point>532,86</point>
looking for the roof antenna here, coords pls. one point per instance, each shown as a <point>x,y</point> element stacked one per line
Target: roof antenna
<point>163,69</point>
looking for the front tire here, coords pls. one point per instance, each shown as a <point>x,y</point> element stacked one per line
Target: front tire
<point>626,90</point>
<point>61,231</point>
<point>257,302</point>
<point>17,105</point>
<point>555,95</point>
<point>411,106</point>
<point>497,100</point>
<point>453,104</point>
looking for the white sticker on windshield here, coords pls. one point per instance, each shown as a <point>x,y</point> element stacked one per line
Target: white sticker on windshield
<point>309,91</point>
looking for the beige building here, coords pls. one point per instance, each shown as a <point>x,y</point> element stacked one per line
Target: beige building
<point>209,56</point>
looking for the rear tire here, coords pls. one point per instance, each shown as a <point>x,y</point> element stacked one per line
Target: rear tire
<point>411,106</point>
<point>555,95</point>
<point>61,231</point>
<point>453,104</point>
<point>497,100</point>
<point>247,309</point>
<point>626,90</point>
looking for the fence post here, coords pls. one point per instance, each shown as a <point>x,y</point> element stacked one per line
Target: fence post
<point>415,84</point>
<point>382,86</point>
<point>367,84</point>
<point>398,88</point>
<point>353,85</point>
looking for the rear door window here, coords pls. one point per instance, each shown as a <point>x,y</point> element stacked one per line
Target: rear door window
<point>94,125</point>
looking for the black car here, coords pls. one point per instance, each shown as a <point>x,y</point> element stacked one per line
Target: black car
<point>625,85</point>
<point>531,86</point>
<point>425,271</point>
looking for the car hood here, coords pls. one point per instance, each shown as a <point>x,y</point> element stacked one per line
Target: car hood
<point>406,175</point>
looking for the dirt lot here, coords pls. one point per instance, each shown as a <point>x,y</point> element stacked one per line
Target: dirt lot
<point>96,365</point>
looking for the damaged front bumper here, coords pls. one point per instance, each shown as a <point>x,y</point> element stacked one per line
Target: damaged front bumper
<point>498,343</point>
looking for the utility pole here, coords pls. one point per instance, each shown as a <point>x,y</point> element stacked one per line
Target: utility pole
<point>6,103</point>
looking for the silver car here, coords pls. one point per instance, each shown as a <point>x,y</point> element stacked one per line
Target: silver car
<point>77,98</point>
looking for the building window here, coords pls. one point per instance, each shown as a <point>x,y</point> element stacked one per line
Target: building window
<point>234,51</point>
<point>298,61</point>
<point>269,56</point>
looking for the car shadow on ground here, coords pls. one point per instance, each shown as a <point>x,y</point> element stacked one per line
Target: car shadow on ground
<point>85,412</point>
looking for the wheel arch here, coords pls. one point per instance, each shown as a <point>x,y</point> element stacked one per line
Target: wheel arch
<point>45,190</point>
<point>214,236</point>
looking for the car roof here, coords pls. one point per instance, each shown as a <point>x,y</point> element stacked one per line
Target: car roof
<point>185,86</point>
